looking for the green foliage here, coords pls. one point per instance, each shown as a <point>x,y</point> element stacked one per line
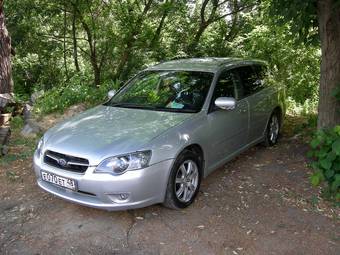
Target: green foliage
<point>301,15</point>
<point>17,123</point>
<point>293,64</point>
<point>75,50</point>
<point>79,90</point>
<point>325,152</point>
<point>308,107</point>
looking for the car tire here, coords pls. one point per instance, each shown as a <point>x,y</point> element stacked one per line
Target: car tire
<point>273,130</point>
<point>183,184</point>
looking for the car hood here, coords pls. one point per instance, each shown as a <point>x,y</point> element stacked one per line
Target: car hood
<point>106,131</point>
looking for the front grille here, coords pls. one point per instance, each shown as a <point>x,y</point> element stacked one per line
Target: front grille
<point>66,162</point>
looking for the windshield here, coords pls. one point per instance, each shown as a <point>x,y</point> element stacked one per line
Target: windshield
<point>180,91</point>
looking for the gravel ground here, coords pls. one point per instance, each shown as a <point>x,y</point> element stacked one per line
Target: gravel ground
<point>259,203</point>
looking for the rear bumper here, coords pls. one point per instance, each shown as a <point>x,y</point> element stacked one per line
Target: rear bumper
<point>133,189</point>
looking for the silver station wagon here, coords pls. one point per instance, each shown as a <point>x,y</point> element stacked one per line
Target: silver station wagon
<point>156,138</point>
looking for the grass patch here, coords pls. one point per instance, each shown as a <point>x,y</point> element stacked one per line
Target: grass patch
<point>20,148</point>
<point>303,126</point>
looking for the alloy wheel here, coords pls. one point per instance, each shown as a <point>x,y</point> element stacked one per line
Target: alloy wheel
<point>186,181</point>
<point>274,127</point>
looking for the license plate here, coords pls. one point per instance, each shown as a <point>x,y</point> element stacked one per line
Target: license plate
<point>59,180</point>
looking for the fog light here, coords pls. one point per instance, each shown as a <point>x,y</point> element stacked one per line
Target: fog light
<point>123,196</point>
<point>119,197</point>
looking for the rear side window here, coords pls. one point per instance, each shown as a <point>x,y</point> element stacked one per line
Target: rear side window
<point>251,79</point>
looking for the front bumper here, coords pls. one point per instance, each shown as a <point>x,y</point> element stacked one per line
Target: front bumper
<point>133,189</point>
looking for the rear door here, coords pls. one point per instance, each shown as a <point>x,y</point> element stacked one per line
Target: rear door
<point>258,98</point>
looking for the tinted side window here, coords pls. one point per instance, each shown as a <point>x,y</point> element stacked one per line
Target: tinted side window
<point>224,86</point>
<point>261,71</point>
<point>250,80</point>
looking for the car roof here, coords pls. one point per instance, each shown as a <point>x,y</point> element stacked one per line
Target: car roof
<point>210,64</point>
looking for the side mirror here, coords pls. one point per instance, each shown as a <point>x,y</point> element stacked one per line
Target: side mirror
<point>226,103</point>
<point>111,93</point>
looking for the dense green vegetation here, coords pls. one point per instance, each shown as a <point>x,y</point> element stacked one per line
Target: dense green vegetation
<point>77,50</point>
<point>326,154</point>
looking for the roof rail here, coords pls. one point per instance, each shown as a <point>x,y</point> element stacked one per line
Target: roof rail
<point>177,57</point>
<point>170,59</point>
<point>224,60</point>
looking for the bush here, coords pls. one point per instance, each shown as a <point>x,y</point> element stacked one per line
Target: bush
<point>325,152</point>
<point>78,90</point>
<point>17,122</point>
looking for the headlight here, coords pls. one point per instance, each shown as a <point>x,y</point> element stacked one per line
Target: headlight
<point>120,164</point>
<point>40,146</point>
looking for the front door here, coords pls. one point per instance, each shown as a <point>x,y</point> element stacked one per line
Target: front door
<point>229,128</point>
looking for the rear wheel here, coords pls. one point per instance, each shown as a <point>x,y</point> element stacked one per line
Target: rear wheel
<point>273,130</point>
<point>184,181</point>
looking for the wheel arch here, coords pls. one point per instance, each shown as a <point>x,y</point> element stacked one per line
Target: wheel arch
<point>278,110</point>
<point>197,149</point>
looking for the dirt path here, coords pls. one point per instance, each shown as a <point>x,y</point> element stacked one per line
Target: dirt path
<point>260,203</point>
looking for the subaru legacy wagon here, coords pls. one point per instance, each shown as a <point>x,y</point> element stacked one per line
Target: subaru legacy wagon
<point>156,138</point>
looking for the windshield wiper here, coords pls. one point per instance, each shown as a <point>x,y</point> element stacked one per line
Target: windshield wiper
<point>130,105</point>
<point>160,108</point>
<point>147,107</point>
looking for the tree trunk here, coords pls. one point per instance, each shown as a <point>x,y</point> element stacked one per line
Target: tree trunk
<point>234,23</point>
<point>64,43</point>
<point>75,43</point>
<point>157,34</point>
<point>159,29</point>
<point>92,47</point>
<point>203,25</point>
<point>329,30</point>
<point>6,82</point>
<point>120,74</point>
<point>97,72</point>
<point>192,47</point>
<point>93,54</point>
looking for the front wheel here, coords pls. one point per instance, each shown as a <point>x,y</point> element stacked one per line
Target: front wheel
<point>273,130</point>
<point>184,181</point>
